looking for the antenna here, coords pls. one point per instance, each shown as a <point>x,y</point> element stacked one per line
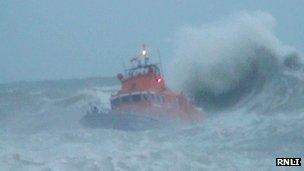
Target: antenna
<point>160,61</point>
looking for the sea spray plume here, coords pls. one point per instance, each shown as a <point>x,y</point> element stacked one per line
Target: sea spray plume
<point>218,63</point>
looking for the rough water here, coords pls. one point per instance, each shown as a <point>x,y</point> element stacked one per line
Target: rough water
<point>250,85</point>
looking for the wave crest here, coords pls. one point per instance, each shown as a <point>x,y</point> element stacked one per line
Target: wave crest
<point>222,63</point>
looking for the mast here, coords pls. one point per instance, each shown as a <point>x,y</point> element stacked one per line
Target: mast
<point>160,61</point>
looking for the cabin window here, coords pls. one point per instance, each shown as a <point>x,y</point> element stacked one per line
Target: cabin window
<point>145,96</point>
<point>158,99</point>
<point>161,99</point>
<point>126,99</point>
<point>155,69</point>
<point>136,98</point>
<point>153,97</point>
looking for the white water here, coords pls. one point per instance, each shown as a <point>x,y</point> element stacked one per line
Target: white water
<point>48,136</point>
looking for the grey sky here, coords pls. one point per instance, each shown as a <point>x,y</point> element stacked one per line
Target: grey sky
<point>51,39</point>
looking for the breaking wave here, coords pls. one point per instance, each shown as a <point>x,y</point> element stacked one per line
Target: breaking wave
<point>238,61</point>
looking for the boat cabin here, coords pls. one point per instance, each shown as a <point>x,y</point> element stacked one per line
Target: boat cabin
<point>141,84</point>
<point>143,70</point>
<point>144,98</point>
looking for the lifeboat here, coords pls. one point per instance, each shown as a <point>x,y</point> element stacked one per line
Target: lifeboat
<point>143,101</point>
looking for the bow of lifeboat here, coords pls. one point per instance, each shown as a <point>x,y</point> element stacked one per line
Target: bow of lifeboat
<point>144,102</point>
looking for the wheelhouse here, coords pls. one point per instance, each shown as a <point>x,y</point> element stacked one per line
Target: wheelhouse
<point>139,97</point>
<point>142,70</point>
